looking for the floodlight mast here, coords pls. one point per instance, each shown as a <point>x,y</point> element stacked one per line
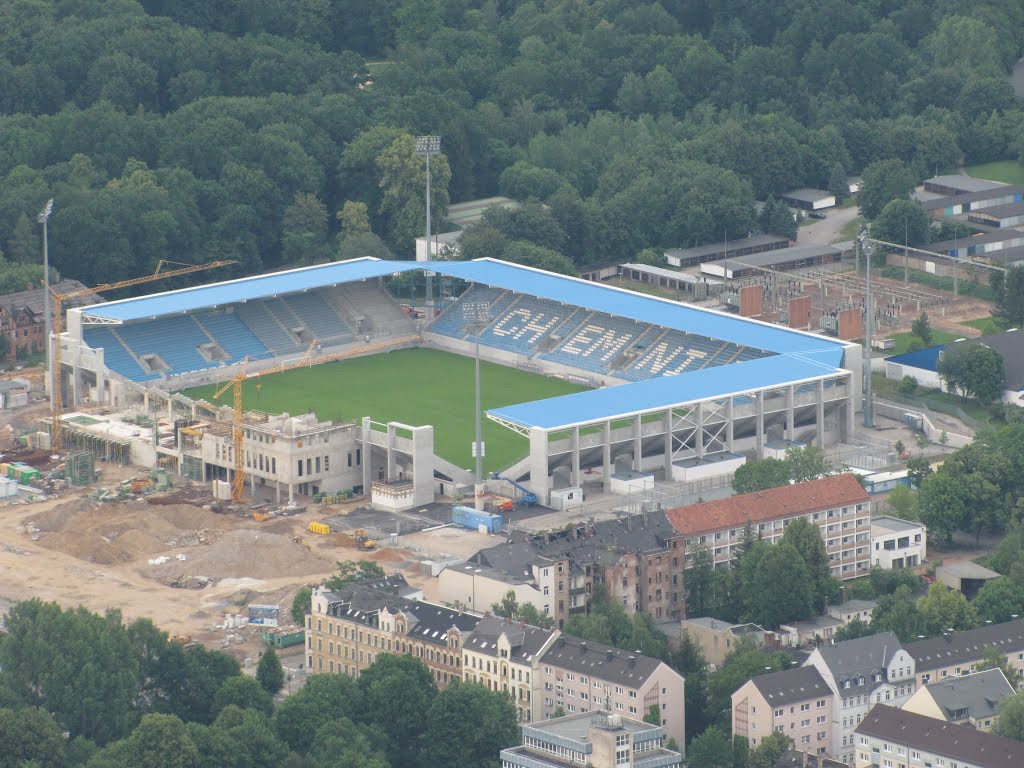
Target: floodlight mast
<point>425,147</point>
<point>44,218</point>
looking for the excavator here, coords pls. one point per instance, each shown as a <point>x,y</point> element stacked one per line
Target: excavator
<point>363,542</point>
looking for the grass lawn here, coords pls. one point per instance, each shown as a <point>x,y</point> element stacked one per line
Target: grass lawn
<point>933,398</point>
<point>849,229</point>
<point>414,386</point>
<point>984,324</point>
<point>647,288</point>
<point>903,340</point>
<point>1009,171</point>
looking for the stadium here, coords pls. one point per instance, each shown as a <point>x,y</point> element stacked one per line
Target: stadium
<point>347,377</point>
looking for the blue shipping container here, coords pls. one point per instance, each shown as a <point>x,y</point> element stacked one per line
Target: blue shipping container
<point>472,519</point>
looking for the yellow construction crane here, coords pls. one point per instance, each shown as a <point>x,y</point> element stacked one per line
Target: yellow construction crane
<point>235,382</point>
<point>58,323</point>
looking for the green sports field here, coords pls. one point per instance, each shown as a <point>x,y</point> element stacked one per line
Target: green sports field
<point>415,386</point>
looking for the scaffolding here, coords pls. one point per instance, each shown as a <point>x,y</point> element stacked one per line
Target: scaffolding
<point>102,448</point>
<point>80,468</point>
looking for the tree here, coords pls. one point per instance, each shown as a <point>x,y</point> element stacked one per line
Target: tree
<point>907,385</point>
<point>838,186</point>
<point>853,630</point>
<point>805,537</point>
<point>510,608</point>
<point>304,230</point>
<point>323,699</point>
<point>1009,290</point>
<point>244,692</point>
<point>712,749</point>
<point>999,600</point>
<point>993,658</point>
<point>944,608</point>
<point>903,222</point>
<point>782,587</point>
<point>769,751</point>
<point>398,690</point>
<point>24,245</point>
<point>270,673</point>
<point>699,582</point>
<point>354,218</point>
<point>342,742</point>
<point>1010,720</point>
<point>350,572</point>
<point>944,502</point>
<point>402,178</point>
<point>761,475</point>
<point>301,604</point>
<point>777,218</point>
<point>807,463</point>
<point>973,370</point>
<point>30,734</point>
<point>918,468</point>
<point>159,741</point>
<point>902,503</point>
<point>898,613</point>
<point>468,725</point>
<point>744,663</point>
<point>882,182</point>
<point>922,328</point>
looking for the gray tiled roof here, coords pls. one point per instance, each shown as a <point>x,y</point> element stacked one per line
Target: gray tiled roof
<point>953,742</point>
<point>791,758</point>
<point>976,695</point>
<point>601,661</point>
<point>797,684</point>
<point>968,646</point>
<point>859,659</point>
<point>427,621</point>
<point>32,299</point>
<point>526,641</point>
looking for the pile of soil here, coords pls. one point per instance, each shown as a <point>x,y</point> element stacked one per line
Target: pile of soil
<point>243,554</point>
<point>110,533</point>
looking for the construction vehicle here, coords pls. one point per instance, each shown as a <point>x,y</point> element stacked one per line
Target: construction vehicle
<point>58,326</point>
<point>526,498</point>
<point>235,383</point>
<point>363,542</point>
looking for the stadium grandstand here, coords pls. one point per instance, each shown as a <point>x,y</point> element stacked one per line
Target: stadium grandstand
<point>674,386</point>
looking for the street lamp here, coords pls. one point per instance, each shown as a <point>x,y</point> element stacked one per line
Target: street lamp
<point>478,314</point>
<point>425,147</point>
<point>43,218</point>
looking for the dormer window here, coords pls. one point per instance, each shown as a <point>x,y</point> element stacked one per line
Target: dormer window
<point>846,684</point>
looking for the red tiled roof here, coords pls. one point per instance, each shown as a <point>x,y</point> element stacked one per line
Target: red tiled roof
<point>773,504</point>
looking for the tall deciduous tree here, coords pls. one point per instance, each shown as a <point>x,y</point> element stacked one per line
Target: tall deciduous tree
<point>883,181</point>
<point>323,699</point>
<point>902,222</point>
<point>30,735</point>
<point>999,600</point>
<point>761,475</point>
<point>944,609</point>
<point>922,328</point>
<point>805,537</point>
<point>712,749</point>
<point>973,370</point>
<point>1009,290</point>
<point>468,725</point>
<point>1010,720</point>
<point>398,690</point>
<point>403,177</point>
<point>269,672</point>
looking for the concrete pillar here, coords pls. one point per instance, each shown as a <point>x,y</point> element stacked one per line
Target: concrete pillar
<point>790,414</point>
<point>668,444</point>
<point>698,435</point>
<point>252,485</point>
<point>291,493</point>
<point>819,416</point>
<point>759,424</point>
<point>100,379</point>
<point>606,456</point>
<point>366,457</point>
<point>540,478</point>
<point>170,409</point>
<point>638,446</point>
<point>145,400</point>
<point>850,409</point>
<point>574,477</point>
<point>729,424</point>
<point>277,491</point>
<point>390,464</point>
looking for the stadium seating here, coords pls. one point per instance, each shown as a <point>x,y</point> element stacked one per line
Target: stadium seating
<point>596,345</point>
<point>521,326</point>
<point>453,321</point>
<point>234,336</point>
<point>255,315</point>
<point>317,317</point>
<point>115,356</point>
<point>370,309</point>
<point>175,339</point>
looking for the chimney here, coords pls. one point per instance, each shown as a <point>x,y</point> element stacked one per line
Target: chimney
<point>609,655</point>
<point>632,661</point>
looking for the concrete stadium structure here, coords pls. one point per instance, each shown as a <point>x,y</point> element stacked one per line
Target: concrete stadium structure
<point>679,390</point>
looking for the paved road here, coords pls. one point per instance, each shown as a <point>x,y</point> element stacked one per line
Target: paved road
<point>827,230</point>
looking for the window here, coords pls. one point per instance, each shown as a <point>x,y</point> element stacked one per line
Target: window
<point>805,707</point>
<point>779,712</point>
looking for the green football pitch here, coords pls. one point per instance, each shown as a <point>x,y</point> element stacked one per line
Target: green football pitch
<point>414,386</point>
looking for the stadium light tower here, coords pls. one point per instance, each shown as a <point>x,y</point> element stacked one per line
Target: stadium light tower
<point>863,240</point>
<point>425,147</point>
<point>44,218</point>
<point>478,314</point>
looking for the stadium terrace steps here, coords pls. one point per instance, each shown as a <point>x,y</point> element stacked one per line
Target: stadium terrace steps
<point>318,317</point>
<point>596,345</point>
<point>267,328</point>
<point>385,316</point>
<point>233,336</point>
<point>116,356</point>
<point>176,340</point>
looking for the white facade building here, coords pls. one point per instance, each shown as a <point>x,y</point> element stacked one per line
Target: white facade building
<point>897,543</point>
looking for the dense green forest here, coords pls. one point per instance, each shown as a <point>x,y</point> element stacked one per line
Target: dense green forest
<point>78,689</point>
<point>190,130</point>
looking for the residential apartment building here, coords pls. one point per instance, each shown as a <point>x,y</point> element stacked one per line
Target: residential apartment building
<point>347,630</point>
<point>896,738</point>
<point>897,543</point>
<point>861,673</point>
<point>584,676</point>
<point>630,558</point>
<point>505,656</point>
<point>23,320</point>
<point>718,638</point>
<point>849,610</point>
<point>960,653</point>
<point>797,702</point>
<point>838,505</point>
<point>591,740</point>
<point>966,700</point>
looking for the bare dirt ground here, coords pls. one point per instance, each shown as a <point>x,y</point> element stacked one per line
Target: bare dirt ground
<point>181,565</point>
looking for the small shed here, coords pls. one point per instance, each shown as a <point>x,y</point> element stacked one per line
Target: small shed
<point>965,577</point>
<point>809,199</point>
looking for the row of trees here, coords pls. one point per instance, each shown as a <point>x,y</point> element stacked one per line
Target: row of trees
<point>78,689</point>
<point>256,130</point>
<point>800,465</point>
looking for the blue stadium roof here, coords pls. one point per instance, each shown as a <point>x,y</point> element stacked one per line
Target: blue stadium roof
<point>660,393</point>
<point>799,356</point>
